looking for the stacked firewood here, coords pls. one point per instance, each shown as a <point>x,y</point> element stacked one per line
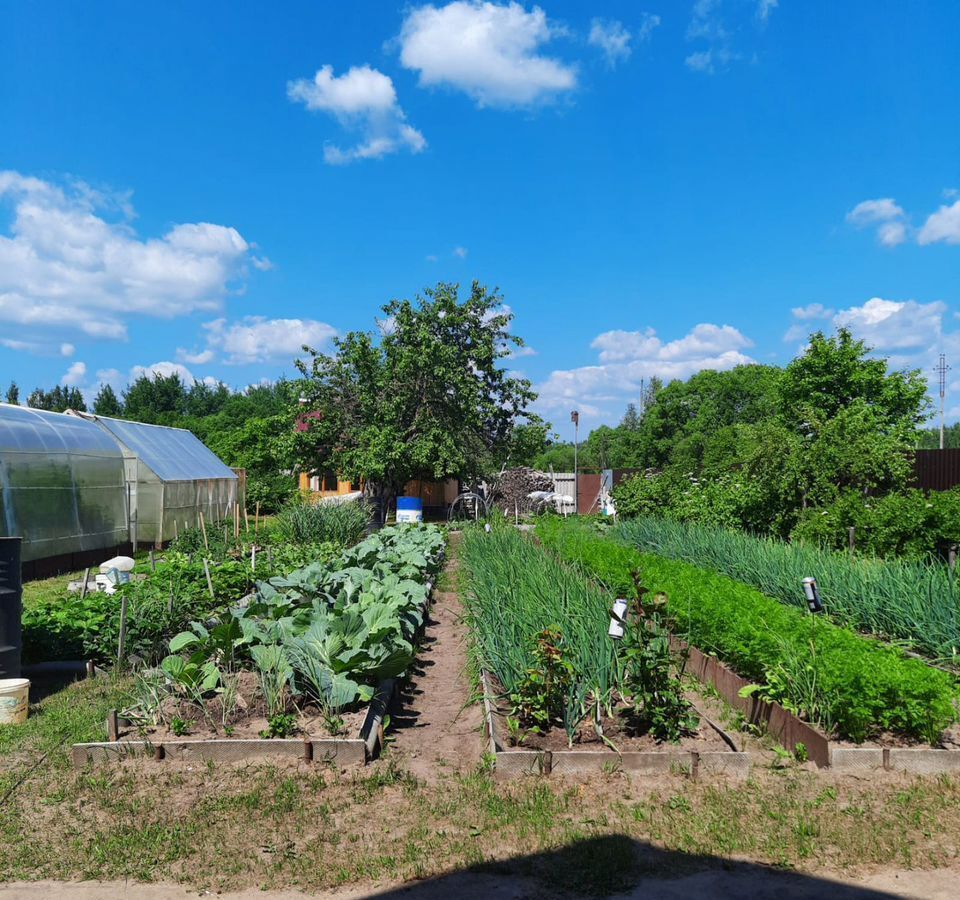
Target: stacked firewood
<point>514,486</point>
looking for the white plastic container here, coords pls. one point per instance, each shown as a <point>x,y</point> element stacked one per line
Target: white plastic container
<point>14,700</point>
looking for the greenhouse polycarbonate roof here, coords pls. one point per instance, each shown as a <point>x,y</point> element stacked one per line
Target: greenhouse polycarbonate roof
<point>173,454</point>
<point>37,431</point>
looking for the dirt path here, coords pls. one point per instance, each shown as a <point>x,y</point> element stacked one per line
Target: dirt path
<point>438,727</point>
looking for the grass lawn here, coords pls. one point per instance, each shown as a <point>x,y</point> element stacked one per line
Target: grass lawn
<point>229,826</point>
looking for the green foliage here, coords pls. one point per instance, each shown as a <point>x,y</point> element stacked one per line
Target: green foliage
<point>13,394</point>
<point>316,523</point>
<point>58,399</point>
<point>910,602</point>
<point>760,449</point>
<point>650,683</point>
<point>429,399</point>
<point>539,698</point>
<point>280,725</point>
<point>861,687</point>
<point>107,403</point>
<point>332,632</point>
<point>541,629</point>
<point>908,524</point>
<point>836,372</point>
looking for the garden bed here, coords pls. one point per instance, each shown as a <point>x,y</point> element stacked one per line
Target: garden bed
<point>313,656</point>
<point>705,752</point>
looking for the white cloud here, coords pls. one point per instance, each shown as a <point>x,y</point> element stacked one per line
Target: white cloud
<point>811,311</point>
<point>74,375</point>
<point>869,212</point>
<point>64,264</point>
<point>886,214</point>
<point>67,349</point>
<point>626,357</point>
<point>943,225</point>
<point>894,324</point>
<point>257,339</point>
<point>909,333</point>
<point>612,38</point>
<point>200,358</point>
<point>432,258</point>
<point>765,8</point>
<point>707,61</point>
<point>165,369</point>
<point>364,101</point>
<point>489,51</point>
<point>460,252</point>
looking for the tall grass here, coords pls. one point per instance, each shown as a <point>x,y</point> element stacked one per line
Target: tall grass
<point>911,603</point>
<point>305,523</point>
<point>514,591</point>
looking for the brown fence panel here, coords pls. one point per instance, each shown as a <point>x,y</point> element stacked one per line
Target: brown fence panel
<point>936,470</point>
<point>588,492</point>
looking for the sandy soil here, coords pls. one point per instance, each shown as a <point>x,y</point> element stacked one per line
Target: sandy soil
<point>437,726</point>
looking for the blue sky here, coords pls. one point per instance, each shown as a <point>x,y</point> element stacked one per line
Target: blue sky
<point>655,187</point>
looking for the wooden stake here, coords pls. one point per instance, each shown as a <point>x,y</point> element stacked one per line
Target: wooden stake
<point>203,528</point>
<point>175,534</point>
<point>952,557</point>
<point>852,538</point>
<point>206,569</point>
<point>121,645</point>
<point>83,587</point>
<point>253,558</point>
<point>256,519</point>
<point>113,726</point>
<point>91,669</point>
<point>246,519</point>
<point>153,562</point>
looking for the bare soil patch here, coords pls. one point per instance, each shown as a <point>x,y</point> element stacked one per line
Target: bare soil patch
<point>438,721</point>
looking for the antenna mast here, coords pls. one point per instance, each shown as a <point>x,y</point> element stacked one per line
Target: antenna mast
<point>941,368</point>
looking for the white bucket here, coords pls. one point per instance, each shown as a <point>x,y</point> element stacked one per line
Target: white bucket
<point>14,700</point>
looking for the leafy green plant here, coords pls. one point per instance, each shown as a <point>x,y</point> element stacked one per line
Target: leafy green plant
<point>539,696</point>
<point>860,687</point>
<point>276,675</point>
<point>179,726</point>
<point>650,682</point>
<point>280,725</point>
<point>912,602</point>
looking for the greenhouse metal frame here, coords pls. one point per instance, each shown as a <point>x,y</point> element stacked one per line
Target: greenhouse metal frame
<point>172,478</point>
<point>62,484</point>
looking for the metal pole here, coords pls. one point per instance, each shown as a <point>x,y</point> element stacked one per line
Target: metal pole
<point>575,417</point>
<point>941,368</point>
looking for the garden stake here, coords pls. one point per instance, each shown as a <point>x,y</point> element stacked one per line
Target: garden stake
<point>83,587</point>
<point>852,539</point>
<point>246,519</point>
<point>113,726</point>
<point>253,558</point>
<point>206,569</point>
<point>153,562</point>
<point>203,528</point>
<point>256,519</point>
<point>91,669</point>
<point>123,629</point>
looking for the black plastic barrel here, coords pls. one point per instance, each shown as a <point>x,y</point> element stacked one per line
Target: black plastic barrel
<point>11,607</point>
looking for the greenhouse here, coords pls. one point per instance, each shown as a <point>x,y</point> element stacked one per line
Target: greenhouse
<point>171,477</point>
<point>62,485</point>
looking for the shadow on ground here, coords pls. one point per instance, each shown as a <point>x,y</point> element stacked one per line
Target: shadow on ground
<point>620,866</point>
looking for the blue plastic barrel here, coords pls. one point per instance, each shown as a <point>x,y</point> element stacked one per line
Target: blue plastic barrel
<point>409,509</point>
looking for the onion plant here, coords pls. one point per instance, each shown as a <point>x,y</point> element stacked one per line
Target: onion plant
<point>915,604</point>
